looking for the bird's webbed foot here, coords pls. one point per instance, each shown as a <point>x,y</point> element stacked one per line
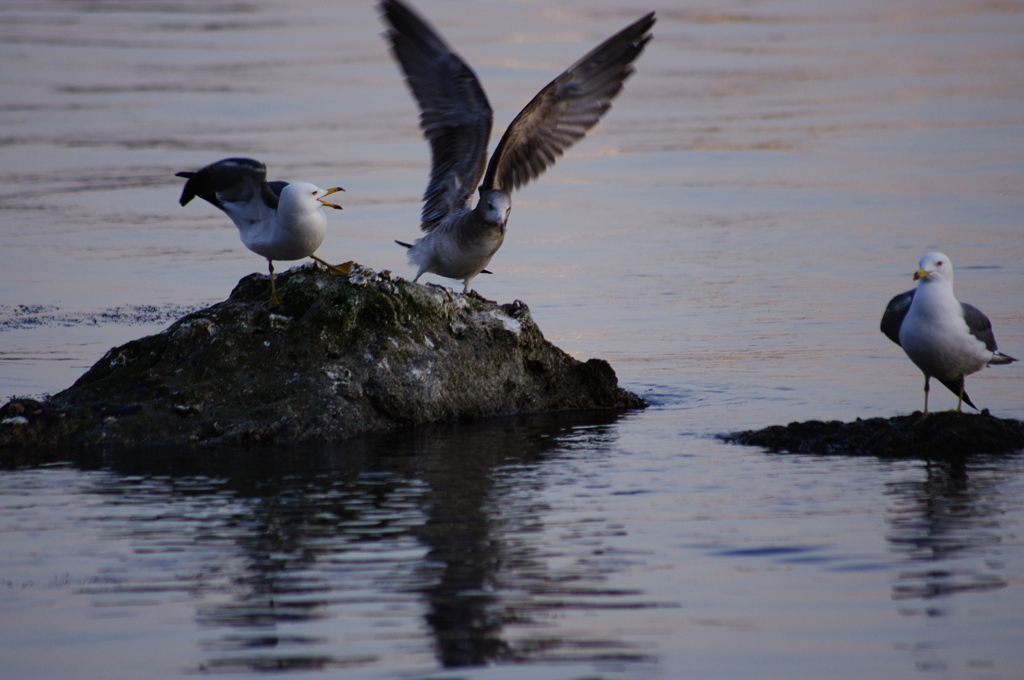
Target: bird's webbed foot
<point>343,269</point>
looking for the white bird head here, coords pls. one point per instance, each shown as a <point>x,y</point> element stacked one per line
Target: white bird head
<point>934,267</point>
<point>299,207</point>
<point>308,197</point>
<point>494,207</point>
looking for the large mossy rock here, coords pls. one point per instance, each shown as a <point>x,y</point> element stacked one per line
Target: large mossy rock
<point>342,356</point>
<point>940,436</point>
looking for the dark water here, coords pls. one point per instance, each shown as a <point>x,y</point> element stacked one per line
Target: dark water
<point>535,547</point>
<point>727,238</point>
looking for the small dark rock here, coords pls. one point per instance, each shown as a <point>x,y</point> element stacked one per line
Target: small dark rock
<point>18,412</point>
<point>342,356</point>
<point>940,436</point>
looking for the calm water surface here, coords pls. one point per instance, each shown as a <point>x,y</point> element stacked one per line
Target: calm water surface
<point>727,237</point>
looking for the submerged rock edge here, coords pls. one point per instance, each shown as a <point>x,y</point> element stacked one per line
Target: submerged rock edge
<point>941,436</point>
<point>343,356</point>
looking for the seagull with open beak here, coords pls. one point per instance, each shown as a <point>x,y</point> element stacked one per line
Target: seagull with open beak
<point>278,220</point>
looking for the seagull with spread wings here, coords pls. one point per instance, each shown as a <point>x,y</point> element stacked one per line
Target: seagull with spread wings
<point>277,220</point>
<point>456,119</point>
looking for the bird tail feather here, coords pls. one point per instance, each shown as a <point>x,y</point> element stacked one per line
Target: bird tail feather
<point>957,387</point>
<point>189,192</point>
<point>1000,358</point>
<point>967,400</point>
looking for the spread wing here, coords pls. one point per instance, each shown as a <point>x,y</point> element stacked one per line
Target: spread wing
<point>566,109</point>
<point>232,180</point>
<point>454,113</point>
<point>895,312</point>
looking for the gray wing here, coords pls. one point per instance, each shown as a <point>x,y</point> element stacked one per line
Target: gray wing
<point>566,109</point>
<point>979,325</point>
<point>895,312</point>
<point>232,180</point>
<point>454,112</point>
<point>272,193</point>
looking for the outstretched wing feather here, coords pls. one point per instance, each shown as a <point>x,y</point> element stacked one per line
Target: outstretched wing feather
<point>568,107</point>
<point>455,115</point>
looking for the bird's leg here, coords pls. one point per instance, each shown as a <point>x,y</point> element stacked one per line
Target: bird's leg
<point>927,387</point>
<point>342,269</point>
<point>960,401</point>
<point>275,299</point>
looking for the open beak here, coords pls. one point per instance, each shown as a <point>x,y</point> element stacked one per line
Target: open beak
<point>329,192</point>
<point>921,274</point>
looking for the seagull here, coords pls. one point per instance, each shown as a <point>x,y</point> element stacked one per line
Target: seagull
<point>456,119</point>
<point>277,220</point>
<point>946,338</point>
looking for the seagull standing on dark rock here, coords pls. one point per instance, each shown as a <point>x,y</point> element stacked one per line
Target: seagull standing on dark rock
<point>456,119</point>
<point>277,220</point>
<point>946,338</point>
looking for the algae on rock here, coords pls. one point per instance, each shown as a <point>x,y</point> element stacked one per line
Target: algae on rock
<point>341,356</point>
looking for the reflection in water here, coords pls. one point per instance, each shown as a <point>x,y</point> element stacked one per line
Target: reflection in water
<point>460,572</point>
<point>949,525</point>
<point>272,545</point>
<point>484,568</point>
<point>950,514</point>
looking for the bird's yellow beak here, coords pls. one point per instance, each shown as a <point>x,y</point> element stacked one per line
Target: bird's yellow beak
<point>921,274</point>
<point>329,192</point>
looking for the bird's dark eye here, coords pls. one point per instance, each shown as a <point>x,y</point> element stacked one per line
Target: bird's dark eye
<point>939,263</point>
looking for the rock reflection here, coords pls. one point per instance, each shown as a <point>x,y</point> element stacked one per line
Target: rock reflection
<point>464,557</point>
<point>305,559</point>
<point>948,523</point>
